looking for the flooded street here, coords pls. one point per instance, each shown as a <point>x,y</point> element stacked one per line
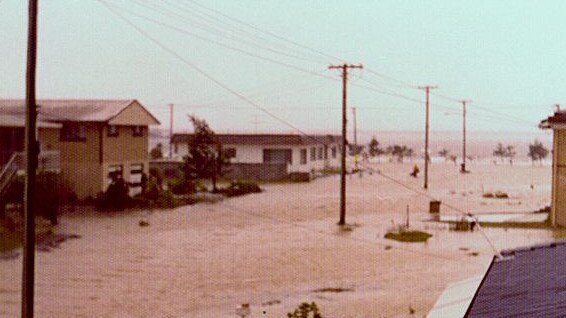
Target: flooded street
<point>275,249</point>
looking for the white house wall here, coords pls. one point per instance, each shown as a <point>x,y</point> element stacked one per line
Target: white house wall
<point>254,154</point>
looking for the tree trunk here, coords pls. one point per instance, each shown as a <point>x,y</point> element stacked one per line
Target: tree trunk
<point>213,179</point>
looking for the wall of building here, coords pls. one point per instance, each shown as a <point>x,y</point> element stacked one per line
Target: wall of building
<point>85,168</point>
<point>558,212</point>
<point>134,113</point>
<point>80,167</point>
<point>257,171</point>
<point>249,154</point>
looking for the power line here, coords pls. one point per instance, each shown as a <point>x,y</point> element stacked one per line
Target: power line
<point>185,32</point>
<point>431,197</point>
<point>233,28</point>
<point>202,72</point>
<point>268,32</point>
<point>404,84</point>
<point>326,233</point>
<point>389,93</point>
<point>220,33</point>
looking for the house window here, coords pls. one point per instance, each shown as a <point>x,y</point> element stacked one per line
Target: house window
<point>73,132</point>
<point>320,153</point>
<point>113,131</point>
<point>334,152</point>
<point>137,131</point>
<point>176,148</point>
<point>278,156</point>
<point>303,156</point>
<point>229,153</point>
<point>313,154</point>
<point>325,152</point>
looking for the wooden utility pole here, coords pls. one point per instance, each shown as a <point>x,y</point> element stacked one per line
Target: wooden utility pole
<point>427,89</point>
<point>171,107</point>
<point>344,67</point>
<point>32,149</point>
<point>355,138</point>
<point>463,167</point>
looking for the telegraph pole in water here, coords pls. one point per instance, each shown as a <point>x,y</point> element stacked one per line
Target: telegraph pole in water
<point>463,168</point>
<point>32,149</point>
<point>171,131</point>
<point>355,138</point>
<point>427,90</point>
<point>344,67</point>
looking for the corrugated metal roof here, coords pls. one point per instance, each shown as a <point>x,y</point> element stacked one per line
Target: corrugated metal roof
<point>456,299</point>
<point>528,282</point>
<point>9,120</point>
<point>61,110</point>
<point>265,139</point>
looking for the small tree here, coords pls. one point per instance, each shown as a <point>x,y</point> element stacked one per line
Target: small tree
<point>510,153</point>
<point>374,149</point>
<point>400,151</point>
<point>409,152</point>
<point>156,152</point>
<point>500,151</point>
<point>537,151</point>
<point>453,158</point>
<point>205,158</point>
<point>444,153</point>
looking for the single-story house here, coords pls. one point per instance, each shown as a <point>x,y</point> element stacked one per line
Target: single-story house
<point>90,139</point>
<point>271,156</point>
<point>557,123</point>
<point>524,282</point>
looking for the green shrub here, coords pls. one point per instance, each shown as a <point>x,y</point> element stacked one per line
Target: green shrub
<point>116,196</point>
<point>304,310</point>
<point>300,177</point>
<point>48,190</point>
<point>408,236</point>
<point>180,186</point>
<point>238,188</point>
<point>167,201</point>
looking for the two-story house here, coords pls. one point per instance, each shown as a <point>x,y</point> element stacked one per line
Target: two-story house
<point>90,139</point>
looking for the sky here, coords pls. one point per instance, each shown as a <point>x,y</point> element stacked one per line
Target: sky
<point>262,65</point>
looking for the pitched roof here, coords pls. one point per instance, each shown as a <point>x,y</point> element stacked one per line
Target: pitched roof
<point>455,299</point>
<point>61,110</point>
<point>11,120</point>
<point>265,139</point>
<point>528,282</point>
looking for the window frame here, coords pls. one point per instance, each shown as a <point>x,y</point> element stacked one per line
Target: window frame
<point>139,133</point>
<point>303,156</point>
<point>110,133</point>
<point>72,132</point>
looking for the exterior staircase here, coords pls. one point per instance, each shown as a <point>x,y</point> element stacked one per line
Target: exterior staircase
<point>47,161</point>
<point>9,171</point>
